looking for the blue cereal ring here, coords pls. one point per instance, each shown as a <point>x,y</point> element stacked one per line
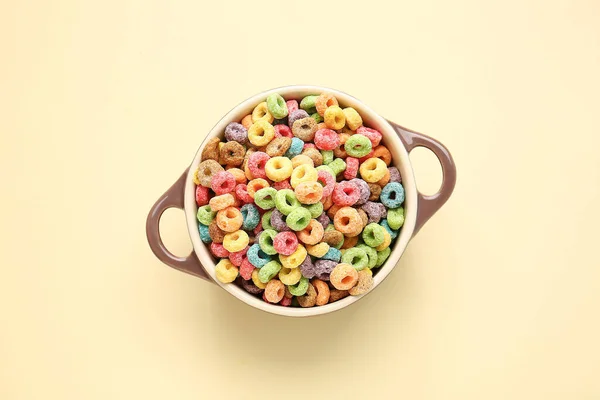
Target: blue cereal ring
<point>392,195</point>
<point>257,257</point>
<point>295,148</point>
<point>332,254</point>
<point>251,216</point>
<point>204,235</point>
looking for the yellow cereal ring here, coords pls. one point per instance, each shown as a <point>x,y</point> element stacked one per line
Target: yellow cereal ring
<point>236,241</point>
<point>335,118</point>
<point>256,280</point>
<point>278,168</point>
<point>261,113</point>
<point>343,276</point>
<point>261,133</point>
<point>290,276</point>
<point>230,219</point>
<point>294,259</point>
<point>221,202</point>
<point>373,170</point>
<point>303,173</point>
<point>299,160</point>
<point>318,250</point>
<point>274,291</point>
<point>387,239</point>
<point>225,271</point>
<point>353,118</point>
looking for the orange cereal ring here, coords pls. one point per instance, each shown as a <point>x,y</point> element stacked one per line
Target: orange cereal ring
<point>383,153</point>
<point>343,276</point>
<point>221,202</point>
<point>247,121</point>
<point>312,234</point>
<point>324,101</point>
<point>229,219</point>
<point>274,291</point>
<point>385,180</point>
<point>255,185</point>
<point>322,290</point>
<point>327,202</point>
<point>248,173</point>
<point>310,298</point>
<point>350,242</point>
<point>363,216</point>
<point>333,210</point>
<point>347,220</point>
<point>309,192</point>
<point>238,174</point>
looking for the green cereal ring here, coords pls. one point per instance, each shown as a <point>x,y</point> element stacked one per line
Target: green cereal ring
<point>395,217</point>
<point>356,257</point>
<point>309,104</point>
<point>327,156</point>
<point>205,215</point>
<point>286,201</point>
<point>265,241</point>
<point>299,288</point>
<point>371,253</point>
<point>266,220</point>
<point>315,209</point>
<point>338,165</point>
<point>326,168</point>
<point>298,219</point>
<point>268,271</point>
<point>317,117</point>
<point>265,198</point>
<point>358,146</point>
<point>382,256</point>
<point>373,234</point>
<point>276,106</point>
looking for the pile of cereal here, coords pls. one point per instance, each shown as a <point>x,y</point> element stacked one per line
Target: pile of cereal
<point>299,203</point>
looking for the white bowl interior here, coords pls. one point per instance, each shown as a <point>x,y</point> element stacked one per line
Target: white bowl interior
<point>400,160</point>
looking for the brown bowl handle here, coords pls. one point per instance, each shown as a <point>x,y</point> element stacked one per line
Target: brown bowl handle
<point>430,204</point>
<point>174,197</point>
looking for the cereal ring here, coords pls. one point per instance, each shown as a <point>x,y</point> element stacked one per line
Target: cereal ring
<point>225,271</point>
<point>345,194</point>
<point>322,290</point>
<point>303,173</point>
<point>393,232</point>
<point>285,243</point>
<point>363,217</point>
<point>246,270</point>
<point>222,182</point>
<point>382,256</point>
<point>286,201</point>
<point>278,146</point>
<point>307,268</point>
<point>298,219</point>
<point>315,155</point>
<point>350,242</point>
<point>265,241</point>
<point>235,132</point>
<point>279,169</point>
<point>221,202</point>
<point>375,211</point>
<point>386,178</point>
<point>261,133</point>
<point>387,240</point>
<point>365,283</point>
<point>395,175</point>
<point>292,105</point>
<point>333,210</point>
<point>373,170</point>
<point>255,185</point>
<point>333,238</point>
<point>300,288</point>
<point>294,259</point>
<point>204,232</point>
<point>256,256</point>
<point>266,220</point>
<point>206,170</point>
<point>392,195</point>
<point>229,219</point>
<point>236,241</point>
<point>318,250</point>
<point>278,222</point>
<point>324,101</point>
<point>344,277</point>
<point>282,130</point>
<point>335,118</point>
<point>309,192</point>
<point>282,185</point>
<point>241,193</point>
<point>295,148</point>
<point>353,118</point>
<point>238,175</point>
<point>340,151</point>
<point>215,233</point>
<point>302,159</point>
<point>265,198</point>
<point>351,168</point>
<point>327,202</point>
<point>261,113</point>
<point>250,216</point>
<point>347,220</point>
<point>383,153</point>
<point>333,254</point>
<point>327,180</point>
<point>337,165</point>
<point>373,135</point>
<point>246,121</point>
<point>256,280</point>
<point>276,106</point>
<point>211,150</point>
<point>290,276</point>
<point>358,146</point>
<point>324,220</point>
<point>205,215</point>
<point>295,116</point>
<point>326,139</point>
<point>232,153</point>
<point>238,259</point>
<point>371,254</point>
<point>315,209</point>
<point>336,295</point>
<point>312,234</point>
<point>375,191</point>
<point>373,235</point>
<point>304,129</point>
<point>309,299</point>
<point>364,191</point>
<point>257,163</point>
<point>356,257</point>
<point>309,103</point>
<point>201,195</point>
<point>395,218</point>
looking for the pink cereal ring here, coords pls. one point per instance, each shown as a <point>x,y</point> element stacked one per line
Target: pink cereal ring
<point>292,105</point>
<point>282,130</point>
<point>246,270</point>
<point>326,139</point>
<point>365,158</point>
<point>351,168</point>
<point>345,194</point>
<point>285,302</point>
<point>218,250</point>
<point>281,185</point>
<point>257,162</point>
<point>238,257</point>
<point>285,243</point>
<point>241,193</point>
<point>222,182</point>
<point>201,195</point>
<point>328,182</point>
<point>373,135</point>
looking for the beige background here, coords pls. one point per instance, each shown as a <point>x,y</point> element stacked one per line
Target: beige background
<point>103,104</point>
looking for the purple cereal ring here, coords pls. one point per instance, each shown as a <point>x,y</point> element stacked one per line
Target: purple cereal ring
<point>375,211</point>
<point>296,115</point>
<point>278,221</point>
<point>308,268</point>
<point>395,175</point>
<point>365,192</point>
<point>235,132</point>
<point>249,286</point>
<point>323,219</point>
<point>323,268</point>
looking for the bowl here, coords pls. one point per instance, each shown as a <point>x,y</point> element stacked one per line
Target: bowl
<point>400,141</point>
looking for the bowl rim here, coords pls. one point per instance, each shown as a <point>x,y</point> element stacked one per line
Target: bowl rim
<point>399,155</point>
